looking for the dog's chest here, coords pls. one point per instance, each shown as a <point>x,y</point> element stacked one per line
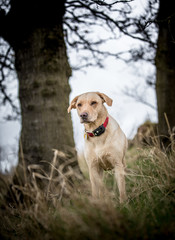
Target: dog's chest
<point>104,158</point>
<point>101,151</point>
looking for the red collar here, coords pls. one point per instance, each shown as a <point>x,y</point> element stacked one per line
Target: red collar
<point>98,131</point>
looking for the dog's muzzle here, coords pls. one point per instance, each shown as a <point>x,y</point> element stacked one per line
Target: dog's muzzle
<point>84,117</point>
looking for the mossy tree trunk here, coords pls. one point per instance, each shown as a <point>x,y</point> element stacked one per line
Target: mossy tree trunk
<point>34,30</point>
<point>165,65</point>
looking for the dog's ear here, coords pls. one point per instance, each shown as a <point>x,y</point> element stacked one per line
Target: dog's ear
<point>105,98</point>
<point>72,104</point>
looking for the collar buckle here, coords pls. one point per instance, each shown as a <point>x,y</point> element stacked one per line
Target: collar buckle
<point>98,131</point>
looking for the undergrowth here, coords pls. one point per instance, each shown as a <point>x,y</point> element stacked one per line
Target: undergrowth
<point>66,210</point>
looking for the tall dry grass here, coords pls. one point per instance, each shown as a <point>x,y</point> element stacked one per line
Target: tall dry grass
<point>65,209</point>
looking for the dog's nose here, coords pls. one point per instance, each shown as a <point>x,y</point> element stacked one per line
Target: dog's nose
<point>84,115</point>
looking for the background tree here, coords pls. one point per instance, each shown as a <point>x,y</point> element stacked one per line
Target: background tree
<point>34,30</point>
<point>165,66</point>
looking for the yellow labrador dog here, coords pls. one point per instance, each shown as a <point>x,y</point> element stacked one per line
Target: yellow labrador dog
<point>105,143</point>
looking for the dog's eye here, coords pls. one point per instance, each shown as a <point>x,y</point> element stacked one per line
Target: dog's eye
<point>79,105</point>
<point>93,103</point>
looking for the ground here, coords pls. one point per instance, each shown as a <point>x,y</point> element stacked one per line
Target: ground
<point>66,209</point>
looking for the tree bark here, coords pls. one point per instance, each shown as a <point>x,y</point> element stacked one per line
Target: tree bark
<point>165,65</point>
<point>43,72</point>
<point>34,30</point>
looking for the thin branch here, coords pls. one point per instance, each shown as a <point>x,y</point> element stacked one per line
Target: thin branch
<point>138,97</point>
<point>82,16</point>
<point>6,66</point>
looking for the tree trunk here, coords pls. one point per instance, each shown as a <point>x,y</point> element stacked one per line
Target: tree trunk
<point>34,30</point>
<point>165,65</point>
<point>43,72</point>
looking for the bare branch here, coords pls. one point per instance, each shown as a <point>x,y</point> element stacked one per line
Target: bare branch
<point>5,5</point>
<point>82,16</point>
<point>7,68</point>
<point>134,94</point>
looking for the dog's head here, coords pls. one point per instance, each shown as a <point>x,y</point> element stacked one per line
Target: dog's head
<point>90,106</point>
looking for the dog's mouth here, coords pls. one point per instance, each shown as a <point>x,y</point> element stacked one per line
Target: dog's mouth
<point>85,121</point>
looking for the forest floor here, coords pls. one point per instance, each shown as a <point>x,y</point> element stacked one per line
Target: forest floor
<point>66,210</point>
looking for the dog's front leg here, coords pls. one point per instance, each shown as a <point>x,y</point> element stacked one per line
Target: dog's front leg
<point>96,178</point>
<point>120,177</point>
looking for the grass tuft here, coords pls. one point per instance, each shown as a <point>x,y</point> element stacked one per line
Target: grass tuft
<point>66,210</point>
